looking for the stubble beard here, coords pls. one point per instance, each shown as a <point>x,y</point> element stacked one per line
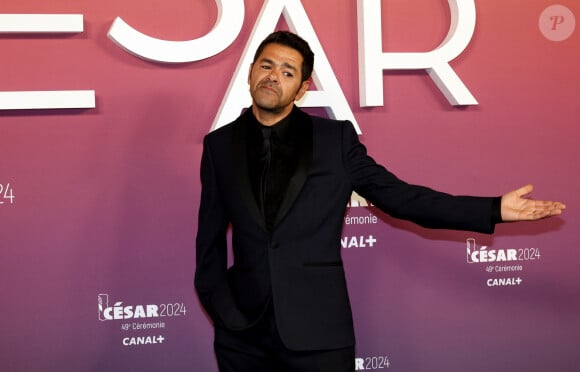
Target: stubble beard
<point>268,105</point>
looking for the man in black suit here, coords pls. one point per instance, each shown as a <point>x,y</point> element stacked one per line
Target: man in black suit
<point>282,180</point>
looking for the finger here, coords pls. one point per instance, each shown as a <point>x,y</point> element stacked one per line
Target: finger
<point>547,210</point>
<point>524,190</point>
<point>549,204</point>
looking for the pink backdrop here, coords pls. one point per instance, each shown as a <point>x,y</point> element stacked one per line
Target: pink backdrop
<point>105,199</point>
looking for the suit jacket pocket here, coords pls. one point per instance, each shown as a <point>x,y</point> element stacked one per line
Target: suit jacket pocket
<point>242,268</point>
<point>323,264</point>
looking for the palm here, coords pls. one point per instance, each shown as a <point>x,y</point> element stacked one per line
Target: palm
<point>515,206</point>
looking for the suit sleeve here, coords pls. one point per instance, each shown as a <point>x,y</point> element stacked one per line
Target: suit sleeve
<point>422,205</point>
<point>211,242</point>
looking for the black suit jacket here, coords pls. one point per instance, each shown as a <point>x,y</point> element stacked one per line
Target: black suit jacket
<point>298,265</point>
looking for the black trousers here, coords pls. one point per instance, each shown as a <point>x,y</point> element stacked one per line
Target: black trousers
<point>260,349</point>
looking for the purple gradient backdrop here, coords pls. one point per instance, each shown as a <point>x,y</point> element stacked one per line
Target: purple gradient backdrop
<point>106,199</point>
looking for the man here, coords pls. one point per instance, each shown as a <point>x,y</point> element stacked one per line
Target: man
<point>282,179</point>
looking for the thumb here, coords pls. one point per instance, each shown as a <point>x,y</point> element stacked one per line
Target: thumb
<point>524,190</point>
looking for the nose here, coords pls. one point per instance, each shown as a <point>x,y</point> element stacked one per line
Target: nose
<point>273,75</point>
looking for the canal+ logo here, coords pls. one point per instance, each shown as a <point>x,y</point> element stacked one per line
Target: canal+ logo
<point>483,254</point>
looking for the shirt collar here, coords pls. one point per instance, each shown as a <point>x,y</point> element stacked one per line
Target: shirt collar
<point>282,130</point>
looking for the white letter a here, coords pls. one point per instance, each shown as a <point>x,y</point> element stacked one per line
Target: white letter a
<point>329,93</point>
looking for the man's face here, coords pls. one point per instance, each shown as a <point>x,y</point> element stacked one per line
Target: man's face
<point>275,80</point>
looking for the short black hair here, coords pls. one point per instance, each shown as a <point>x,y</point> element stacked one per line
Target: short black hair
<point>293,41</point>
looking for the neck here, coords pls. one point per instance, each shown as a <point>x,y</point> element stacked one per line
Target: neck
<point>269,118</point>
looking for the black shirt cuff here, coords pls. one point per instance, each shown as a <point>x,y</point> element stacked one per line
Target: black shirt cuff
<point>496,210</point>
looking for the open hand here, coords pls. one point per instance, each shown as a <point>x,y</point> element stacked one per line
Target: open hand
<point>515,206</point>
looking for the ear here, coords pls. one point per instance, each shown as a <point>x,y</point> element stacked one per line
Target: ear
<point>303,89</point>
<point>250,72</point>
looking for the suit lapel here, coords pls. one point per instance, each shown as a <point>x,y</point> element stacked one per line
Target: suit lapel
<point>303,123</point>
<point>242,170</point>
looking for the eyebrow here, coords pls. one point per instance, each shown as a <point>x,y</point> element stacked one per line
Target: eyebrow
<point>284,64</point>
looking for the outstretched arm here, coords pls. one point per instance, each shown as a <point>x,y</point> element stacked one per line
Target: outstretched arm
<point>515,206</point>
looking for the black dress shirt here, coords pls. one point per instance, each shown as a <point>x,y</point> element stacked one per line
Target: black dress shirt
<point>272,162</point>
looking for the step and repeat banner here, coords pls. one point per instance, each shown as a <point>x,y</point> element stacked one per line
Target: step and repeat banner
<point>103,109</point>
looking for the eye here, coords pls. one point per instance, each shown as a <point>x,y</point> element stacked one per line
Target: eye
<point>288,74</point>
<point>265,67</point>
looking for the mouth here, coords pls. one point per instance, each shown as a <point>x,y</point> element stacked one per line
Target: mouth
<point>268,88</point>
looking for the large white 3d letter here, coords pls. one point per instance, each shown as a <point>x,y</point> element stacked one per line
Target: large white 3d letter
<point>51,99</point>
<point>329,93</point>
<point>228,25</point>
<point>372,61</point>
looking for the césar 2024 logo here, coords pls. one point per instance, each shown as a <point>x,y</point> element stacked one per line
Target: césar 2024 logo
<point>119,311</point>
<point>485,255</point>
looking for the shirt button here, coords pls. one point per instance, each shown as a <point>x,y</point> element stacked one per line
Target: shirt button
<point>275,245</point>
